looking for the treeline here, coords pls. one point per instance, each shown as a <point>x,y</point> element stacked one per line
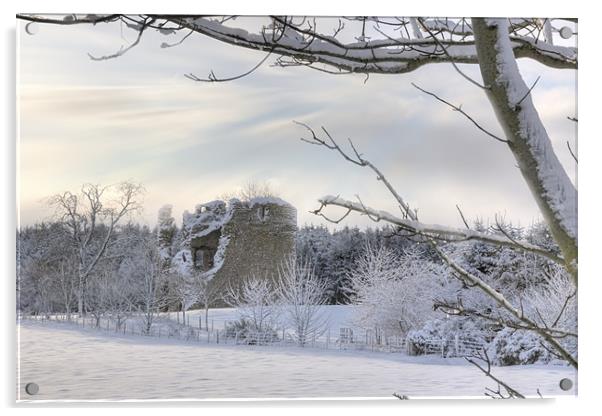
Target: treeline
<point>49,269</point>
<point>47,259</point>
<point>334,254</point>
<point>48,264</point>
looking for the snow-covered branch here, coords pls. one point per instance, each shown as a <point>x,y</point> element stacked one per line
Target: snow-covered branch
<point>300,41</point>
<point>527,138</point>
<point>511,393</point>
<point>433,230</point>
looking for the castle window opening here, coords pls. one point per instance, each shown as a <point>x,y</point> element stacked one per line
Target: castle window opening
<point>263,213</point>
<point>203,258</point>
<point>199,258</point>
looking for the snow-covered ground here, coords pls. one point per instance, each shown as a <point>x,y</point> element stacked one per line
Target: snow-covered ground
<point>338,316</point>
<point>71,363</point>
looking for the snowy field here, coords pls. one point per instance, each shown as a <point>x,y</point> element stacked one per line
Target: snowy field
<point>336,316</point>
<point>71,363</point>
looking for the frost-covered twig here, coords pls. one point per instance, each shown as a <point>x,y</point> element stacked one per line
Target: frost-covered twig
<point>459,109</point>
<point>571,152</point>
<point>213,78</point>
<point>463,218</point>
<point>528,92</point>
<point>143,26</point>
<point>510,392</point>
<point>450,57</point>
<point>358,160</point>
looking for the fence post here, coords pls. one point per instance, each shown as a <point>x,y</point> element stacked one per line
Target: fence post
<point>456,344</point>
<point>328,339</point>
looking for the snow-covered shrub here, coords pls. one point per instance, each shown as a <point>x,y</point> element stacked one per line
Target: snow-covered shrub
<point>513,347</point>
<point>245,331</point>
<point>446,331</point>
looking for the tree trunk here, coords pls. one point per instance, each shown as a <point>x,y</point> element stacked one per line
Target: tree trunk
<point>207,315</point>
<point>80,296</point>
<point>527,138</point>
<point>68,311</point>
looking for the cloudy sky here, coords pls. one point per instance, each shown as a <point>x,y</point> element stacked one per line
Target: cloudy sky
<point>138,118</point>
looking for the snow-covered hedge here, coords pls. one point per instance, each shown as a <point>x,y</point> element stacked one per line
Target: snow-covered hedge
<point>514,347</point>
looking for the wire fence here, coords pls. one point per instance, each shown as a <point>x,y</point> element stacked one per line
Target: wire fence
<point>339,338</point>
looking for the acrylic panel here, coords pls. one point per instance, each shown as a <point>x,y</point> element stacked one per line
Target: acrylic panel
<point>283,207</point>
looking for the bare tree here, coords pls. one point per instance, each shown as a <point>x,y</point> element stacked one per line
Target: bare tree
<point>395,292</point>
<point>255,300</point>
<point>111,294</point>
<point>301,294</point>
<point>250,190</point>
<point>64,276</point>
<point>91,218</point>
<point>208,294</point>
<point>183,291</point>
<point>186,283</point>
<point>147,280</point>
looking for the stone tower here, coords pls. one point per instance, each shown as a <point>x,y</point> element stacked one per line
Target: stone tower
<point>231,242</point>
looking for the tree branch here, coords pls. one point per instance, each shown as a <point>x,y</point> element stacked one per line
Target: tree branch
<point>459,109</point>
<point>512,393</point>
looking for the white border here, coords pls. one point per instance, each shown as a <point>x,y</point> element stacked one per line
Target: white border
<point>589,174</point>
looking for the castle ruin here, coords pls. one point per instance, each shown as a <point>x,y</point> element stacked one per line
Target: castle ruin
<point>230,242</point>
